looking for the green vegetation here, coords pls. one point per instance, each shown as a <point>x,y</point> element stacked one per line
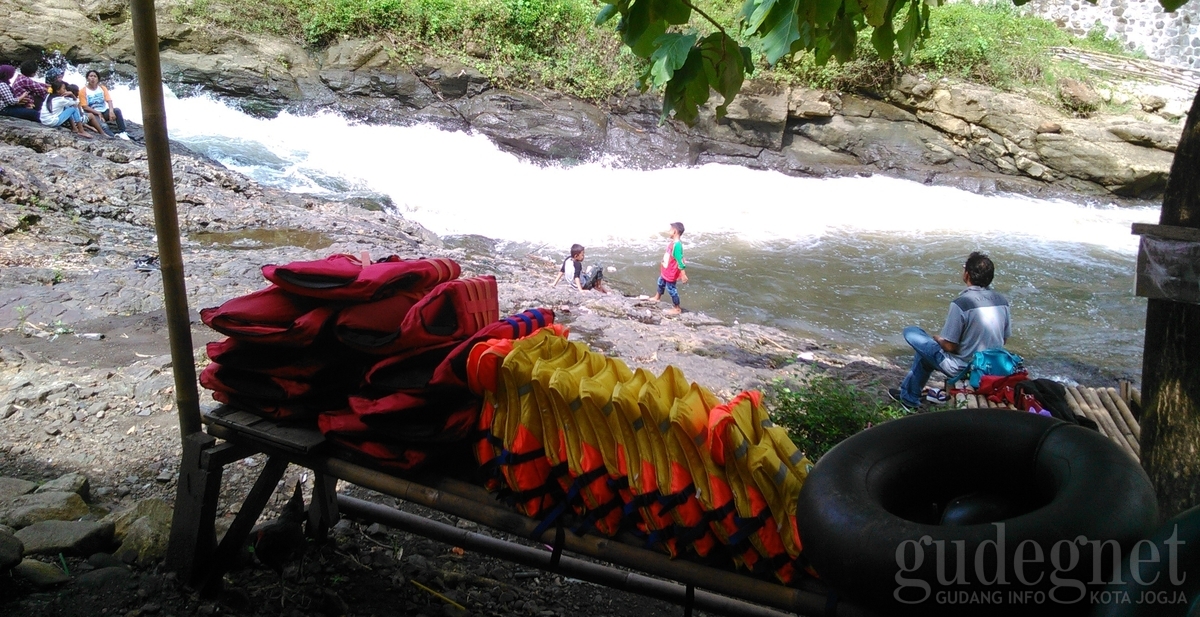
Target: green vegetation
<point>824,411</point>
<point>556,43</point>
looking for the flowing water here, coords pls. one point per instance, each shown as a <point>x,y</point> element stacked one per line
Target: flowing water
<point>848,261</point>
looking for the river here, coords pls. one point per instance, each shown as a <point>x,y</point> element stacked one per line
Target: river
<point>849,261</point>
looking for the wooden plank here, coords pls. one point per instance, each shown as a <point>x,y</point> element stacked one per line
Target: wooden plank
<point>292,437</point>
<point>1170,232</point>
<point>193,534</point>
<point>322,509</point>
<point>239,530</point>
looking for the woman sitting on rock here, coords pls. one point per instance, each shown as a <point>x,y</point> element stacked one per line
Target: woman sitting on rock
<point>10,104</point>
<point>96,99</point>
<point>61,108</point>
<point>90,118</point>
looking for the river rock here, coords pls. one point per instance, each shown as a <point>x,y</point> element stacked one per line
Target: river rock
<point>1147,135</point>
<point>11,551</point>
<point>26,510</point>
<point>40,574</point>
<point>104,577</point>
<point>808,103</point>
<point>145,541</point>
<point>757,117</point>
<point>67,483</point>
<point>13,487</point>
<point>1078,96</point>
<point>552,127</point>
<point>70,537</point>
<point>157,511</point>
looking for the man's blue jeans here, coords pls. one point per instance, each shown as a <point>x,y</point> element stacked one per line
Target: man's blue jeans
<point>928,357</point>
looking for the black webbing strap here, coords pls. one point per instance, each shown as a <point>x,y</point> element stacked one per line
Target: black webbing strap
<point>556,550</point>
<point>689,600</point>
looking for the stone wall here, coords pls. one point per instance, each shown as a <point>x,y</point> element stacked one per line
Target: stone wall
<point>1173,38</point>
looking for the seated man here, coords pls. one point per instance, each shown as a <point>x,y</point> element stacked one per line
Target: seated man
<point>978,320</point>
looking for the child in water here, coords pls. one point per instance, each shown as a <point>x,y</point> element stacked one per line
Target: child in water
<point>572,268</point>
<point>672,269</point>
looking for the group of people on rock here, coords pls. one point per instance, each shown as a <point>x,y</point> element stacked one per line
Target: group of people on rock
<point>86,110</point>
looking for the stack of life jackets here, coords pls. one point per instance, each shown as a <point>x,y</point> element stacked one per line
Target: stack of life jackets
<point>375,351</point>
<point>567,431</point>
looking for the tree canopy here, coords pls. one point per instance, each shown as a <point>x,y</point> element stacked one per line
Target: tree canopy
<point>688,65</point>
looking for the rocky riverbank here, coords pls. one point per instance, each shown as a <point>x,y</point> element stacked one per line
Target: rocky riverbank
<point>86,384</point>
<point>936,132</point>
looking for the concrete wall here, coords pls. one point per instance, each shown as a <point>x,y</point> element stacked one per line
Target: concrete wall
<point>1173,38</point>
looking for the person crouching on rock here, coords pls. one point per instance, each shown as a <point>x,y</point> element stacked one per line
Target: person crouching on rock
<point>978,319</point>
<point>96,99</point>
<point>572,267</point>
<point>11,104</point>
<point>62,109</point>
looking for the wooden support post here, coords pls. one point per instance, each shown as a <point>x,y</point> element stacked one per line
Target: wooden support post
<point>235,538</point>
<point>193,537</point>
<point>322,509</point>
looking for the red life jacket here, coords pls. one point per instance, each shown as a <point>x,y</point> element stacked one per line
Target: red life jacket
<point>270,316</point>
<point>450,312</point>
<point>253,385</point>
<point>345,278</point>
<point>301,364</point>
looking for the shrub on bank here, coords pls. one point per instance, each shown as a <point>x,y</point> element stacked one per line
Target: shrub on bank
<point>554,43</point>
<point>824,411</point>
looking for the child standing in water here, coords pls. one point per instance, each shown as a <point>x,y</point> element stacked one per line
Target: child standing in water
<point>672,269</point>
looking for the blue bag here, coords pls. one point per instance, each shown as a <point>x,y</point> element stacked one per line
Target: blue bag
<point>995,361</point>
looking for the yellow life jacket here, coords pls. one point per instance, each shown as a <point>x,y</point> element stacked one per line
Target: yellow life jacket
<point>523,464</point>
<point>731,428</point>
<point>678,494</point>
<point>692,462</point>
<point>592,447</point>
<point>635,454</point>
<point>540,406</point>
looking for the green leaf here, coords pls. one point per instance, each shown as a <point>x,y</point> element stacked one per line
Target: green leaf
<point>755,11</point>
<point>827,11</point>
<point>672,11</point>
<point>687,90</point>
<point>876,11</point>
<point>747,61</point>
<point>822,51</point>
<point>723,67</point>
<point>884,40</point>
<point>782,26</point>
<point>672,52</point>
<point>636,22</point>
<point>844,37</point>
<point>606,13</point>
<point>645,46</point>
<point>906,38</point>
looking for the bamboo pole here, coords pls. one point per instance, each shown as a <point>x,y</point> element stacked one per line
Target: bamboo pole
<point>166,218</point>
<point>1109,425</point>
<point>535,558</point>
<point>504,519</point>
<point>1111,407</point>
<point>1099,417</point>
<point>1127,414</point>
<point>1074,405</point>
<point>972,402</point>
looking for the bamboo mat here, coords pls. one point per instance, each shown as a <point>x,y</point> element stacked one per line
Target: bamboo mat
<point>1104,406</point>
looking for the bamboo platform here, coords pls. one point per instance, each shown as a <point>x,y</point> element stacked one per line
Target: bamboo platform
<point>1109,408</point>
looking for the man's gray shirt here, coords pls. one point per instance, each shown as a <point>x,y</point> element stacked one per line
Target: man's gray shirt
<point>978,320</point>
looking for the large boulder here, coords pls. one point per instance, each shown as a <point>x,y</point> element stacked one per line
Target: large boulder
<point>157,511</point>
<point>69,537</point>
<point>39,574</point>
<point>29,509</point>
<point>756,117</point>
<point>553,127</point>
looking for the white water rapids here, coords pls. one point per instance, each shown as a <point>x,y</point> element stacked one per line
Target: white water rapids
<point>849,260</point>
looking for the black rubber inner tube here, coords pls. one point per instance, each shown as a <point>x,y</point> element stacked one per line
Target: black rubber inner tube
<point>886,515</point>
